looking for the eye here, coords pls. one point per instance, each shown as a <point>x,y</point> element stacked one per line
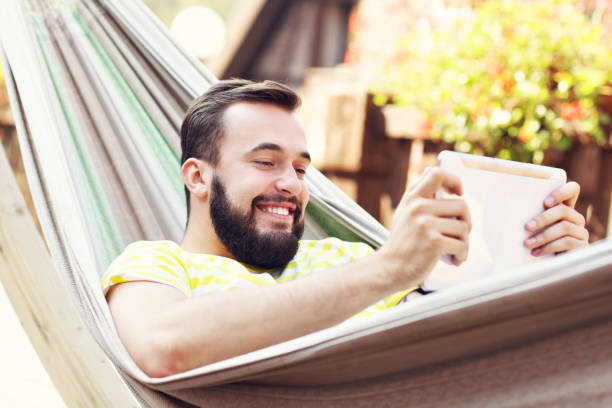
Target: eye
<point>300,171</point>
<point>264,163</point>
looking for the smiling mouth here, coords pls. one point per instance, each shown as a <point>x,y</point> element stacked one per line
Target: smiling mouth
<point>279,208</point>
<point>278,211</point>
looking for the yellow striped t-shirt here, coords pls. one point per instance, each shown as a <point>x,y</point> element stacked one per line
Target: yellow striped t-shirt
<point>200,274</point>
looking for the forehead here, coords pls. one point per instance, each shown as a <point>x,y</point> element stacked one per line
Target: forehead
<point>247,125</point>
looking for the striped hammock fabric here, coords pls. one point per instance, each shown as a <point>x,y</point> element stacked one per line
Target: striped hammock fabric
<point>98,90</point>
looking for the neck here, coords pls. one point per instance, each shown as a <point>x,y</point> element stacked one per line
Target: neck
<point>200,238</point>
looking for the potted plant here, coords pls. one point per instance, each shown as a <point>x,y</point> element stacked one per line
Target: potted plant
<point>512,79</point>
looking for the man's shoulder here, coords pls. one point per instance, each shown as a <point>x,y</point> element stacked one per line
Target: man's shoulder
<point>152,246</point>
<point>145,251</point>
<point>157,261</point>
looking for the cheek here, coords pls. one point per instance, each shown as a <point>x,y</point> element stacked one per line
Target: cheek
<point>305,196</point>
<point>238,194</point>
<point>246,190</point>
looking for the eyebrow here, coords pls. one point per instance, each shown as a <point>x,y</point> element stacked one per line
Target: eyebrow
<point>276,148</point>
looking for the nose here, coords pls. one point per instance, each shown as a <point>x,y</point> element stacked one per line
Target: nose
<point>288,182</point>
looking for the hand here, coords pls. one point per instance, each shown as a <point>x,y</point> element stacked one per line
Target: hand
<point>424,228</point>
<point>560,227</point>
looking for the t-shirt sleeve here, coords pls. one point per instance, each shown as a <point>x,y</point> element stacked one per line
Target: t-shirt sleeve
<point>148,261</point>
<point>359,250</point>
<point>351,250</point>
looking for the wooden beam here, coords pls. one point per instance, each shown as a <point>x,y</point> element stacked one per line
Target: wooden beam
<point>344,130</point>
<point>606,185</point>
<point>77,366</point>
<point>406,122</point>
<point>247,28</point>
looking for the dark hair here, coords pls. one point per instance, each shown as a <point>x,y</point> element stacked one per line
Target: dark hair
<point>202,127</point>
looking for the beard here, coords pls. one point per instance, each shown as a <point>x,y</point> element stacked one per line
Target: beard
<point>237,230</point>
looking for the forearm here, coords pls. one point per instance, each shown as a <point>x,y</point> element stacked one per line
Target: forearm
<point>205,329</point>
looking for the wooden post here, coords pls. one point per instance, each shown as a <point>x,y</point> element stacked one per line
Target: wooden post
<point>405,122</point>
<point>605,197</point>
<point>586,165</point>
<point>77,366</point>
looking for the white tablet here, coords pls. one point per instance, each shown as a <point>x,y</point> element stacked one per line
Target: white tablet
<point>502,196</point>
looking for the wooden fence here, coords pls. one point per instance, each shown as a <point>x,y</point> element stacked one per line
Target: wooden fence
<point>372,153</point>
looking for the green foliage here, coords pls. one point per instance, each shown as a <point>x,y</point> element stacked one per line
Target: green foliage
<point>513,79</point>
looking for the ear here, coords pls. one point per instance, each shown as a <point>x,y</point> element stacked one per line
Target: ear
<point>197,177</point>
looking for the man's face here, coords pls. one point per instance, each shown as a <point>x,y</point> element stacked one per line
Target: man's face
<point>258,193</point>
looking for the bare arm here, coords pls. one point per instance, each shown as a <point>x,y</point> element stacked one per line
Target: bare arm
<point>167,333</point>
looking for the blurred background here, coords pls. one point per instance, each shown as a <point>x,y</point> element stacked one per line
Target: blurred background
<point>387,84</point>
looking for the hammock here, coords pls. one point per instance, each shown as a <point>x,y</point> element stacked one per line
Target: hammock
<point>98,89</point>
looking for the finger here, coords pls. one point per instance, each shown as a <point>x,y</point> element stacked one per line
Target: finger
<point>451,207</point>
<point>560,245</point>
<point>448,207</point>
<point>458,249</point>
<point>553,215</point>
<point>413,184</point>
<point>452,228</point>
<point>566,194</point>
<point>434,180</point>
<point>556,231</point>
<point>409,191</point>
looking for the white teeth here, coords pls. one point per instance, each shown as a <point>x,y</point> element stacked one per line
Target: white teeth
<point>277,210</point>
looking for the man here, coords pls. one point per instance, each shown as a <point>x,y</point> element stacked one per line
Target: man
<point>241,279</point>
